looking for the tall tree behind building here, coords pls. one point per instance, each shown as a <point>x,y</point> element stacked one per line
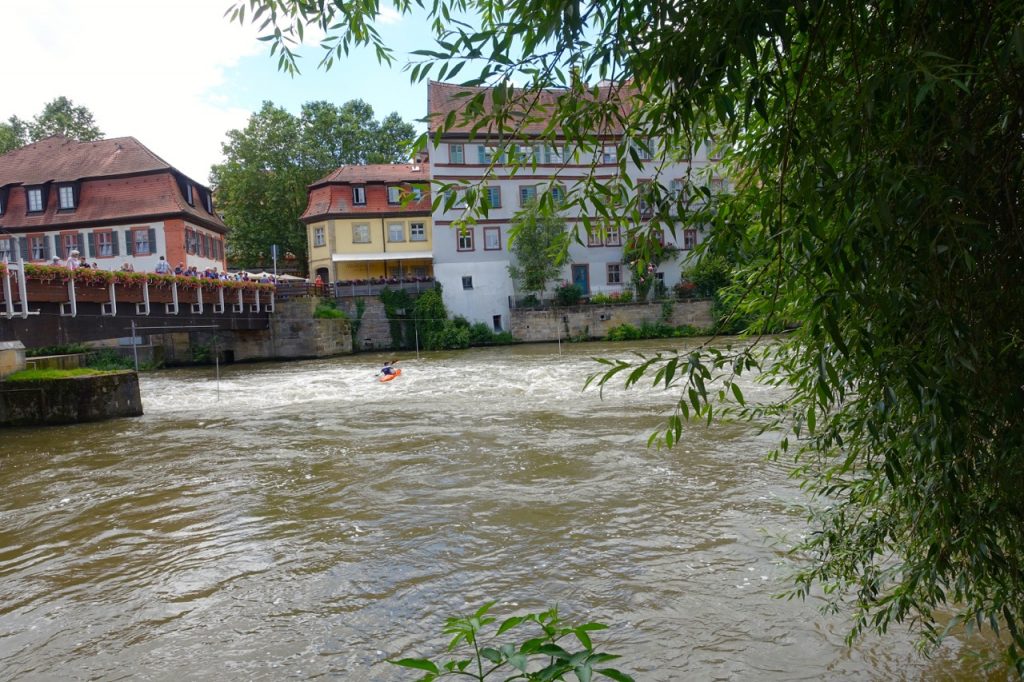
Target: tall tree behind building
<point>58,117</point>
<point>261,186</point>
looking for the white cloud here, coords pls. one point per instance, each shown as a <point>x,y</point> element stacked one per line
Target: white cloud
<point>388,15</point>
<point>152,69</point>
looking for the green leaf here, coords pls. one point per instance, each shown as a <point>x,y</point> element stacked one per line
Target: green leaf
<point>417,663</point>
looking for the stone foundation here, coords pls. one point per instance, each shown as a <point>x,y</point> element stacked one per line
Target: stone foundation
<point>71,400</point>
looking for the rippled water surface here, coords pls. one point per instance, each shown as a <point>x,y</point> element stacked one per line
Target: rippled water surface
<point>304,521</point>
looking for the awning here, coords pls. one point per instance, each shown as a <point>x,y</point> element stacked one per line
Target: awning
<point>390,255</point>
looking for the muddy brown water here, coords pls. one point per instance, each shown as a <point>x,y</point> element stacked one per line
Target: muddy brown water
<point>303,521</point>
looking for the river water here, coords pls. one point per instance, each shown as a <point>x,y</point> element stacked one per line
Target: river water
<point>304,521</point>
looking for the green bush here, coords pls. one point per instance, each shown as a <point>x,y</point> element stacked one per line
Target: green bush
<point>327,309</point>
<point>568,294</point>
<point>450,336</point>
<point>109,359</point>
<point>66,349</point>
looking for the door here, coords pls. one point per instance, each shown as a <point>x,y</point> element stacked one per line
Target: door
<point>581,278</point>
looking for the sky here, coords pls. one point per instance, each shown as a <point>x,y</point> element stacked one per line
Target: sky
<point>177,75</point>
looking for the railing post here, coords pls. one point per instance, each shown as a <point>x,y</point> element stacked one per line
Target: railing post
<point>144,309</point>
<point>70,309</point>
<point>110,307</point>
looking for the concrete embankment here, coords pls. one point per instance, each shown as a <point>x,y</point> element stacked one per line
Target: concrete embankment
<point>70,400</point>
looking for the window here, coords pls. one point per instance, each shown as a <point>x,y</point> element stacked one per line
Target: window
<point>494,197</point>
<point>465,236</point>
<point>37,246</point>
<point>608,155</point>
<point>484,154</point>
<point>417,232</point>
<point>188,194</point>
<point>714,150</point>
<point>644,193</point>
<point>5,249</point>
<point>104,244</point>
<point>359,195</point>
<point>594,238</point>
<point>552,154</point>
<point>69,243</point>
<point>66,195</point>
<point>492,239</point>
<point>396,232</point>
<point>467,282</point>
<point>361,233</point>
<point>689,239</point>
<point>191,243</point>
<point>614,236</point>
<point>417,193</point>
<point>523,153</point>
<point>140,242</point>
<point>394,195</point>
<point>676,188</point>
<point>496,322</point>
<point>643,150</point>
<point>527,193</point>
<point>558,194</point>
<point>318,236</point>
<point>35,200</point>
<point>717,185</point>
<point>456,154</point>
<point>614,273</point>
<point>457,197</point>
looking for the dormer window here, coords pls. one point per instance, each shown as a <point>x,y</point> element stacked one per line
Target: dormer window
<point>394,195</point>
<point>188,194</point>
<point>34,197</point>
<point>359,195</point>
<point>66,196</point>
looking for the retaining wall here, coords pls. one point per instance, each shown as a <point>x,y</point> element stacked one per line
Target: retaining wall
<point>595,321</point>
<point>70,400</point>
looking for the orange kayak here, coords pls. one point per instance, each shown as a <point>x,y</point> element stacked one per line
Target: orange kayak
<point>389,377</point>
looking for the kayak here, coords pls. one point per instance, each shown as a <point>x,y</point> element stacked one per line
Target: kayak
<point>389,377</point>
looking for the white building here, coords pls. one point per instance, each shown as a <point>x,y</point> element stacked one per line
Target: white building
<point>471,262</point>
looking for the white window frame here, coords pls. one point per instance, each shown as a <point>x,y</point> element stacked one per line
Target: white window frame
<point>359,195</point>
<point>361,233</point>
<point>613,237</point>
<point>396,232</point>
<point>66,196</point>
<point>5,249</point>
<point>417,232</point>
<point>394,194</point>
<point>319,236</point>
<point>689,239</point>
<point>465,241</point>
<point>492,238</point>
<point>37,246</point>
<point>613,273</point>
<point>141,247</point>
<point>34,199</point>
<point>609,154</point>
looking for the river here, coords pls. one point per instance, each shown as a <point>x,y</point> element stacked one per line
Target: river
<point>304,521</point>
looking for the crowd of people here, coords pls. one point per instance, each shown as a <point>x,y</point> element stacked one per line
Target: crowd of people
<point>74,261</point>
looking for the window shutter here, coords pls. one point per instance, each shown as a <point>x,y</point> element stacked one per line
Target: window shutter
<point>129,247</point>
<point>91,243</point>
<point>81,245</point>
<point>152,241</point>
<point>115,248</point>
<point>58,245</point>
<point>23,246</point>
<point>48,252</point>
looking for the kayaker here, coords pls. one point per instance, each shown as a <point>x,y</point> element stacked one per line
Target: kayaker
<point>387,368</point>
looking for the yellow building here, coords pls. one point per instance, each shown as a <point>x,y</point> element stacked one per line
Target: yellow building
<point>371,223</point>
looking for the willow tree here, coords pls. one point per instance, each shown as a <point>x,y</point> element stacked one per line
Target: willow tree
<point>877,150</point>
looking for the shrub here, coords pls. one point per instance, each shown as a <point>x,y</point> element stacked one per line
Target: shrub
<point>450,336</point>
<point>327,309</point>
<point>66,349</point>
<point>568,294</point>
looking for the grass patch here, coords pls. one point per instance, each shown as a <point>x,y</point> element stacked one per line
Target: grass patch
<point>47,374</point>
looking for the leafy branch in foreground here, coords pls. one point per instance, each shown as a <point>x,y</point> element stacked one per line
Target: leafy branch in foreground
<point>543,657</point>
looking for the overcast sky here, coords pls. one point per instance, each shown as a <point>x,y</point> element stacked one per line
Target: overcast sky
<point>176,75</point>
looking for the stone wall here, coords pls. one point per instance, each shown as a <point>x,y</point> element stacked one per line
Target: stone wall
<point>12,357</point>
<point>293,333</point>
<point>374,327</point>
<point>595,321</point>
<point>70,400</point>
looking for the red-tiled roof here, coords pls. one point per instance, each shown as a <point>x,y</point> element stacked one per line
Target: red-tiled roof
<point>119,181</point>
<point>446,98</point>
<point>378,172</point>
<point>58,159</point>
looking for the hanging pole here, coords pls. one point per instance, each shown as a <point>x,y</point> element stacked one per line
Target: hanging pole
<point>135,347</point>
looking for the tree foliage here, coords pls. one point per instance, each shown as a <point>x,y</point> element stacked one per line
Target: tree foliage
<point>537,242</point>
<point>261,186</point>
<point>58,117</point>
<point>877,151</point>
